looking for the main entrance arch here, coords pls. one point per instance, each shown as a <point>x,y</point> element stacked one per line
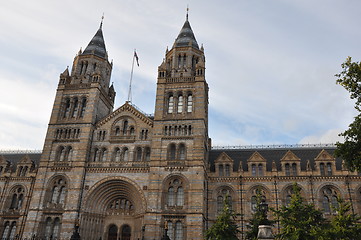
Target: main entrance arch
<point>113,209</point>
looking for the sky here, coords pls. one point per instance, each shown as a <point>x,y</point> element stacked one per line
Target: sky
<point>270,65</point>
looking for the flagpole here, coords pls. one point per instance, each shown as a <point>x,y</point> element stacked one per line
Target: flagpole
<point>130,82</point>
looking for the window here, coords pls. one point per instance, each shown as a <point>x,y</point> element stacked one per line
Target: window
<point>126,154</point>
<point>52,228</point>
<point>58,191</point>
<point>182,152</point>
<point>175,196</point>
<point>139,154</point>
<point>257,192</point>
<point>180,104</point>
<point>329,199</point>
<point>66,108</point>
<point>260,169</point>
<point>228,171</point>
<point>254,170</point>
<point>83,107</point>
<point>222,195</point>
<point>189,103</point>
<point>9,230</point>
<point>147,154</point>
<point>116,157</point>
<point>17,198</point>
<point>172,152</point>
<point>75,108</point>
<point>220,169</point>
<point>175,229</point>
<point>329,169</point>
<point>125,127</point>
<point>294,169</point>
<point>287,169</point>
<point>322,169</point>
<point>170,104</point>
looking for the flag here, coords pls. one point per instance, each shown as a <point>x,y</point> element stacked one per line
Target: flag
<point>136,57</point>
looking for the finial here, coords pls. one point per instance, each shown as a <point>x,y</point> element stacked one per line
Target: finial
<point>187,12</point>
<point>101,23</point>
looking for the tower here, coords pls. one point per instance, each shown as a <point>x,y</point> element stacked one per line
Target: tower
<point>180,142</point>
<point>82,98</point>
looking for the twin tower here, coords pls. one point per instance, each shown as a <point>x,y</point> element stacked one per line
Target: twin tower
<point>121,174</point>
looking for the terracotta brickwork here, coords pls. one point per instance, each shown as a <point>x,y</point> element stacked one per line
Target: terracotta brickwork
<point>122,174</point>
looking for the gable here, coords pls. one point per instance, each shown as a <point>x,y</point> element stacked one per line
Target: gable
<point>324,156</point>
<point>256,157</point>
<point>290,156</point>
<point>126,110</point>
<point>223,158</point>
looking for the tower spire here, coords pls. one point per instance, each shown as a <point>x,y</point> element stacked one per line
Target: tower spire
<point>101,22</point>
<point>187,13</point>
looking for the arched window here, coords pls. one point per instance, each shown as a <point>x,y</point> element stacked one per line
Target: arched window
<point>170,232</point>
<point>189,103</point>
<point>17,198</point>
<point>329,169</point>
<point>329,199</point>
<point>48,227</point>
<point>6,231</point>
<point>147,154</point>
<point>83,107</point>
<point>228,170</point>
<point>126,154</point>
<point>294,169</point>
<point>138,154</point>
<point>117,131</point>
<point>116,155</point>
<point>12,230</point>
<point>60,154</point>
<point>222,195</point>
<point>254,170</point>
<point>131,131</point>
<point>322,169</point>
<point>125,127</point>
<point>257,193</point>
<point>75,108</point>
<point>170,104</point>
<point>52,228</point>
<point>260,169</point>
<point>69,154</point>
<point>175,193</point>
<point>182,152</point>
<point>287,169</point>
<point>180,104</point>
<point>178,230</point>
<point>66,108</point>
<point>180,196</point>
<point>171,152</point>
<point>220,170</point>
<point>220,201</point>
<point>58,191</point>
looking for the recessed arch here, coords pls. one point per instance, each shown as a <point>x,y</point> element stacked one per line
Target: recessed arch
<point>107,190</point>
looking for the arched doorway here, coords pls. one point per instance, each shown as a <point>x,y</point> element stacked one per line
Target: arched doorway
<point>126,232</point>
<point>112,232</point>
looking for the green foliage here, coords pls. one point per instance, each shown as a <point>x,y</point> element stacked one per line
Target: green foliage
<point>344,225</point>
<point>224,228</point>
<point>349,151</point>
<point>259,217</point>
<point>299,220</point>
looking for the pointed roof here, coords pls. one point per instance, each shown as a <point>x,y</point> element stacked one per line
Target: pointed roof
<point>96,46</point>
<point>186,36</point>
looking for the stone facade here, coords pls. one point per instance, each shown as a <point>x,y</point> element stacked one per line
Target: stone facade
<point>123,174</point>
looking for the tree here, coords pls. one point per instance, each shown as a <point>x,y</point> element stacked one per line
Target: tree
<point>299,220</point>
<point>259,217</point>
<point>344,225</point>
<point>349,151</point>
<point>224,228</point>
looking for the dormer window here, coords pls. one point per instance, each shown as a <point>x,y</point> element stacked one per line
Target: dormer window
<point>329,169</point>
<point>322,169</point>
